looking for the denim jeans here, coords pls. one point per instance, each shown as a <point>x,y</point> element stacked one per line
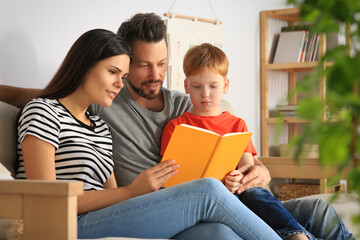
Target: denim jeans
<point>164,213</point>
<point>318,217</point>
<point>315,215</point>
<point>269,208</point>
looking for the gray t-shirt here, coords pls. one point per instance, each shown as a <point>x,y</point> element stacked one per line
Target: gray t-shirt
<point>136,131</point>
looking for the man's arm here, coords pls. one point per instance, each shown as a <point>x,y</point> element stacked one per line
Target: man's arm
<point>254,176</point>
<point>17,96</point>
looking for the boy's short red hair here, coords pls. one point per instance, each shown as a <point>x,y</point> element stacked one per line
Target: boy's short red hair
<point>205,56</point>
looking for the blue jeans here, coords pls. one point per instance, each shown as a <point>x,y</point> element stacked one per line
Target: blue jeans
<point>164,213</point>
<point>315,215</point>
<point>269,208</point>
<point>318,217</point>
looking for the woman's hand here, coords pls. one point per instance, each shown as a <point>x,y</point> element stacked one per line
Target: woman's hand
<point>153,178</point>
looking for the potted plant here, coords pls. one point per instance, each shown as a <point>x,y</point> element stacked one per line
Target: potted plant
<point>334,122</point>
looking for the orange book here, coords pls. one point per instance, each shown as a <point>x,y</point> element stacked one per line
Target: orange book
<point>202,153</point>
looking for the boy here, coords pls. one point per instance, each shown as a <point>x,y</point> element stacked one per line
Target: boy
<point>205,67</point>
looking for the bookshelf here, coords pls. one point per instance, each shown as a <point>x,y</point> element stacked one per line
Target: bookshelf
<point>285,167</point>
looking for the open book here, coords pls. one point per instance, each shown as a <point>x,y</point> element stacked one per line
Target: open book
<point>202,153</point>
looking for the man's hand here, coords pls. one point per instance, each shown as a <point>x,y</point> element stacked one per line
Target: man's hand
<point>254,176</point>
<point>153,178</point>
<point>232,180</point>
<point>17,96</point>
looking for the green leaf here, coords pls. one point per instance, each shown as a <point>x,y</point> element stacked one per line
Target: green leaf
<point>334,144</point>
<point>311,108</point>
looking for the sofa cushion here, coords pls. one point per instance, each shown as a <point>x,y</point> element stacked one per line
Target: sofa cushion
<point>8,114</point>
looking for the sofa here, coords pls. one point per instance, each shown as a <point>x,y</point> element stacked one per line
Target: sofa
<point>53,204</point>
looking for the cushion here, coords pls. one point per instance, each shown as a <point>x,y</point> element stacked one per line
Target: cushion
<point>8,114</point>
<point>4,173</point>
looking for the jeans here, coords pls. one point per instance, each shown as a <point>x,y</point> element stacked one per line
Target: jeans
<point>318,217</point>
<point>164,213</point>
<point>206,231</point>
<point>315,215</point>
<point>269,208</point>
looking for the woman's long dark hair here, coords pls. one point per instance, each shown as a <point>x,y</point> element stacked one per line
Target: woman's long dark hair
<point>90,48</point>
<point>86,52</point>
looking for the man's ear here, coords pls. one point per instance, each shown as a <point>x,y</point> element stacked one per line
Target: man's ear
<point>186,86</point>
<point>226,85</point>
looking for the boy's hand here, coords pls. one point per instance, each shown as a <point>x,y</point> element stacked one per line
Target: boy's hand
<point>232,180</point>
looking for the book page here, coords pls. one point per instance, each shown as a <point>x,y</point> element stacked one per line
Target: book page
<point>234,133</point>
<point>191,148</point>
<point>227,155</point>
<point>201,129</point>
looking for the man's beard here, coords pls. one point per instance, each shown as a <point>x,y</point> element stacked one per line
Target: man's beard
<point>139,91</point>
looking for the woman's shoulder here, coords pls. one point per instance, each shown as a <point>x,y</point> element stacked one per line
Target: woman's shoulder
<point>42,107</point>
<point>43,103</point>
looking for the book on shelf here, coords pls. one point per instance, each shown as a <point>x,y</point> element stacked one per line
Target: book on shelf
<point>287,110</point>
<point>300,27</point>
<point>287,107</point>
<point>307,29</point>
<point>297,45</point>
<point>289,47</point>
<point>314,50</point>
<point>202,153</point>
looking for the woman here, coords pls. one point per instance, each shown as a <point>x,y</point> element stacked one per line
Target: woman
<point>59,139</point>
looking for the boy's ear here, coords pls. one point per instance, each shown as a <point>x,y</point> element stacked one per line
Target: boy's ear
<point>226,85</point>
<point>186,86</point>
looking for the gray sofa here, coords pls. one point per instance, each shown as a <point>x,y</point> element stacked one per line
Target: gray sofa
<point>345,205</point>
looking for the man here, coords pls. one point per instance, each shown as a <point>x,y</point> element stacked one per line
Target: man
<point>141,110</point>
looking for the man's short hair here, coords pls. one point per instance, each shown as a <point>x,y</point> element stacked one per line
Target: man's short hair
<point>205,56</point>
<point>148,27</point>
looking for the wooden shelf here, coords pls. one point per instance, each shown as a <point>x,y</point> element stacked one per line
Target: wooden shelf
<point>287,167</point>
<point>287,120</point>
<point>291,67</point>
<point>309,168</point>
<point>288,14</point>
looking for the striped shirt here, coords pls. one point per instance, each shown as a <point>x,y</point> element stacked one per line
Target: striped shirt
<point>82,152</point>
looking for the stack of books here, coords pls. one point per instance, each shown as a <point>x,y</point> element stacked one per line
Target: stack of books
<point>287,110</point>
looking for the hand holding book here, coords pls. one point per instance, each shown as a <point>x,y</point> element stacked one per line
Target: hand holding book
<point>202,153</point>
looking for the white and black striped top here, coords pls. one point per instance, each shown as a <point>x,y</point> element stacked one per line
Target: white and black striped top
<point>82,152</point>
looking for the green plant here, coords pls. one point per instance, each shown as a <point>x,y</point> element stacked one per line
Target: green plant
<point>337,135</point>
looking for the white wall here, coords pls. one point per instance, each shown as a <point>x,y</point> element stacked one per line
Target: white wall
<point>35,36</point>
